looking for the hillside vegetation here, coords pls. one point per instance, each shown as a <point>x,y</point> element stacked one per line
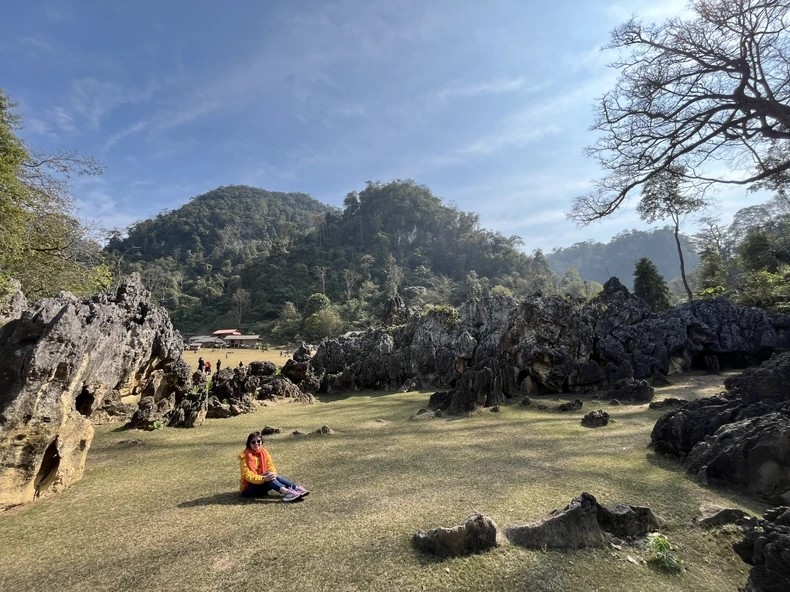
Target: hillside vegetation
<point>286,264</point>
<point>599,261</point>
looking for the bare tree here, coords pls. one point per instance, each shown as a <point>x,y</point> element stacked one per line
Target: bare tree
<point>240,301</point>
<point>709,94</point>
<point>350,277</point>
<point>320,272</point>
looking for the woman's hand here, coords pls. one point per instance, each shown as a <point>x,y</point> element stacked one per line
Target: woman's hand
<point>269,476</point>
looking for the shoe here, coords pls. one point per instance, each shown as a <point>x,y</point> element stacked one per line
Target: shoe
<point>291,495</point>
<point>302,491</point>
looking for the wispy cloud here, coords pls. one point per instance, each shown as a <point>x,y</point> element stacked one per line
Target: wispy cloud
<point>129,130</point>
<point>58,12</point>
<point>62,119</point>
<point>459,89</point>
<point>653,12</point>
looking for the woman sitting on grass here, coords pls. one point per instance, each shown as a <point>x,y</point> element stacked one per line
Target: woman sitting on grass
<point>259,475</point>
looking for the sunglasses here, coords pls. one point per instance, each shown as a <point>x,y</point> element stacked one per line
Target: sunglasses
<point>256,441</point>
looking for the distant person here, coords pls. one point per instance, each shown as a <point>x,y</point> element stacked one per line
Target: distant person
<point>241,364</point>
<point>201,365</point>
<point>259,475</point>
<point>208,367</point>
<point>226,355</point>
<point>219,364</point>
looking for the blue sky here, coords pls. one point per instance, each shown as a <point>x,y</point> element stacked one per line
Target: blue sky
<point>488,103</point>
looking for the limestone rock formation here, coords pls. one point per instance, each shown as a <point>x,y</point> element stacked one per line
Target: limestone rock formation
<point>715,516</point>
<point>395,311</point>
<point>766,546</point>
<point>476,534</point>
<point>740,437</point>
<point>752,454</point>
<point>13,304</point>
<point>496,348</point>
<point>582,523</point>
<point>63,360</point>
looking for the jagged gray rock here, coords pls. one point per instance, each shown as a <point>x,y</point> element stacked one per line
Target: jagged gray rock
<point>740,437</point>
<point>766,546</point>
<point>595,419</point>
<point>582,523</point>
<point>476,534</point>
<point>751,454</point>
<point>64,359</point>
<point>495,348</point>
<point>715,516</point>
<point>13,304</point>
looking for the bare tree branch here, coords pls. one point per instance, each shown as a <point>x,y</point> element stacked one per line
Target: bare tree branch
<point>715,87</point>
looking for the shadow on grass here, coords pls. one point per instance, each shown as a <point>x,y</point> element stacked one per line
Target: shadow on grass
<point>228,498</point>
<point>349,394</point>
<point>732,491</point>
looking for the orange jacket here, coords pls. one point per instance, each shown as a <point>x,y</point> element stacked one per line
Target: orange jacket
<point>253,466</point>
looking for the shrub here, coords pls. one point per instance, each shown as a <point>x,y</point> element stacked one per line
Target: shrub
<point>662,553</point>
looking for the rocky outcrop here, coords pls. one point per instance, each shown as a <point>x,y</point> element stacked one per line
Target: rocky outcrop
<point>740,437</point>
<point>65,359</point>
<point>766,546</point>
<point>496,348</point>
<point>395,311</point>
<point>13,303</point>
<point>584,523</point>
<point>717,516</point>
<point>384,365</point>
<point>475,535</point>
<point>751,454</point>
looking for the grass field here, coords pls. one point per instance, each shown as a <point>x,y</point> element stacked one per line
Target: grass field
<point>230,357</point>
<point>165,515</point>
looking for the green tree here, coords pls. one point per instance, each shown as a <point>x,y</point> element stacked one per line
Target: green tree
<point>650,286</point>
<point>538,274</point>
<point>474,287</point>
<point>394,277</point>
<point>289,322</point>
<point>711,244</point>
<point>315,303</point>
<point>324,323</point>
<point>41,241</point>
<point>757,251</point>
<point>662,198</point>
<point>572,283</point>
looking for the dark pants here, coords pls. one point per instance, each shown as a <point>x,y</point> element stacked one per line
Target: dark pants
<point>260,490</point>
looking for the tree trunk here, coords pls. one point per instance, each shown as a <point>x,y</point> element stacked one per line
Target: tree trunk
<point>682,263</point>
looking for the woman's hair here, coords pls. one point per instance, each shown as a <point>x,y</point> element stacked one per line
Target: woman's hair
<point>252,437</point>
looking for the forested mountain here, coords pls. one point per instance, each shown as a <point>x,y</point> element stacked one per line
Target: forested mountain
<point>235,223</point>
<point>191,258</point>
<point>600,261</point>
<point>269,262</point>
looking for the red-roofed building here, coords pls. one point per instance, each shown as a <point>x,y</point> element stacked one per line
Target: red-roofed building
<point>226,332</point>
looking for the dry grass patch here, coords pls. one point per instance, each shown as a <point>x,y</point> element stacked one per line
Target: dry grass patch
<point>166,515</point>
<point>230,357</point>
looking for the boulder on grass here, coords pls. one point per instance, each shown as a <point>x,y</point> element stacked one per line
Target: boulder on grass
<point>582,523</point>
<point>575,527</point>
<point>714,516</point>
<point>476,534</point>
<point>752,454</point>
<point>595,419</point>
